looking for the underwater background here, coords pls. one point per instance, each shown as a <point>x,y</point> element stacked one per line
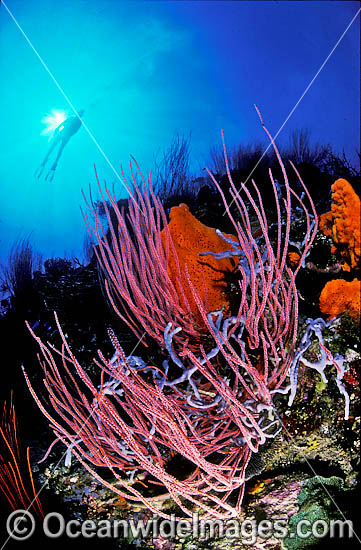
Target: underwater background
<point>145,70</point>
<point>196,350</point>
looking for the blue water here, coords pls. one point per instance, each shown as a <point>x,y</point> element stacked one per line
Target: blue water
<point>143,70</point>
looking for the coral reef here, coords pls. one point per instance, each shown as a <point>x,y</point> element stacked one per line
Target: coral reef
<point>339,296</point>
<point>205,399</point>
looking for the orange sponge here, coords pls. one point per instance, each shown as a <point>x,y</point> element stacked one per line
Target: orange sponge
<point>342,223</point>
<point>293,259</point>
<point>340,296</point>
<point>206,273</point>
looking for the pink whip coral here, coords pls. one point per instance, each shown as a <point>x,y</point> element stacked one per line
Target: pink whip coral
<point>135,264</point>
<point>208,395</point>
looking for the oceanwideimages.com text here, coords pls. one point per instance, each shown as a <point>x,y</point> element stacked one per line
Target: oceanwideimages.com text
<point>21,525</point>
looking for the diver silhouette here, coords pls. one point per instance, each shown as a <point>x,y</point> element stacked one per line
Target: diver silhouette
<point>62,135</point>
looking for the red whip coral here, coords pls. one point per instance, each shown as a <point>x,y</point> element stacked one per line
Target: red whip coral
<point>16,479</point>
<point>342,223</point>
<point>207,274</point>
<point>340,296</point>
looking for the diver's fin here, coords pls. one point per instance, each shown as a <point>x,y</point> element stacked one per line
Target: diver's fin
<point>50,175</point>
<point>39,171</point>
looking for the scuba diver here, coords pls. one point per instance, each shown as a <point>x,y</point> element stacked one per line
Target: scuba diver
<point>62,134</point>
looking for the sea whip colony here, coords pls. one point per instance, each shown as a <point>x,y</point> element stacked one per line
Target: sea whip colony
<point>210,398</point>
